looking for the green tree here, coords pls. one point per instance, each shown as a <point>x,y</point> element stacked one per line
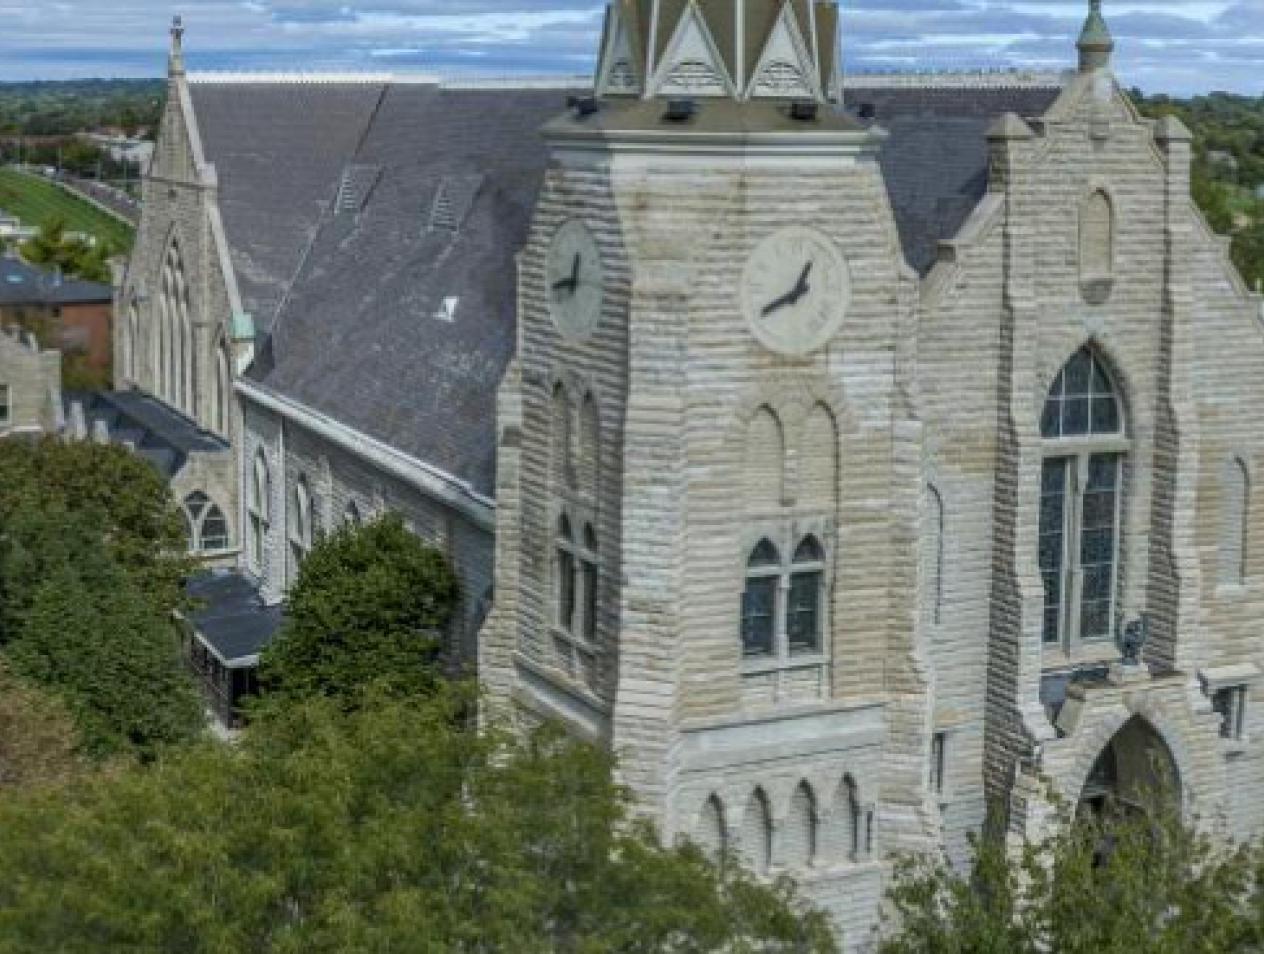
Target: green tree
<point>1137,881</point>
<point>389,828</point>
<point>369,605</point>
<point>52,248</point>
<point>38,741</point>
<point>92,640</point>
<point>126,506</point>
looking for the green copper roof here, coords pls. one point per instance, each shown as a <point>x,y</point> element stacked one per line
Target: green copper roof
<point>1096,34</point>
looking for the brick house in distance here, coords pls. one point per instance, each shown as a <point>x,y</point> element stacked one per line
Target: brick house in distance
<point>73,316</point>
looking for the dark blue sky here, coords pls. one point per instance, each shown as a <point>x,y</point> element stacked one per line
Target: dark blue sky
<point>1164,45</point>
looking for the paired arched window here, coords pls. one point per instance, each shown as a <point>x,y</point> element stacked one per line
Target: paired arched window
<point>783,603</point>
<point>300,526</point>
<point>205,523</point>
<point>259,509</point>
<point>1085,449</point>
<point>1235,513</point>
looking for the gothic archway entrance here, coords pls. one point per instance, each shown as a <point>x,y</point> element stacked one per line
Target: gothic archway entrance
<point>1135,767</point>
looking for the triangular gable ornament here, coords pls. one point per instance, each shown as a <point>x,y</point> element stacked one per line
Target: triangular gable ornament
<point>691,64</point>
<point>619,73</point>
<point>786,68</point>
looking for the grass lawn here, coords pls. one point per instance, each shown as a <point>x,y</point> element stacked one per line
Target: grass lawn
<point>35,200</point>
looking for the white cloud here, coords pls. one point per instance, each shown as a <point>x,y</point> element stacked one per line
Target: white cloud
<point>1179,45</point>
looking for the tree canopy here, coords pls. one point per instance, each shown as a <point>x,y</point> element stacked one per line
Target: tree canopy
<point>392,827</point>
<point>90,571</point>
<point>1130,881</point>
<point>369,605</point>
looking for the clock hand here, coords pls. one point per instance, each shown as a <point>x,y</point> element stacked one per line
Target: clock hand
<point>575,273</point>
<point>782,302</point>
<point>793,296</point>
<point>802,288</point>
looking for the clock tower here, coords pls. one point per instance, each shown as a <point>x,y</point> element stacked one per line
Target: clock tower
<point>708,483</point>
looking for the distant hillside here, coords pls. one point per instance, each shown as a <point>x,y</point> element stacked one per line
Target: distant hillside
<point>64,108</point>
<point>1228,167</point>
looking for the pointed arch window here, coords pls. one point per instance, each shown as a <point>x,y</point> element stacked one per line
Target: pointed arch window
<point>783,604</point>
<point>800,837</point>
<point>565,561</point>
<point>1235,507</point>
<point>260,509</point>
<point>1081,495</point>
<point>712,834</point>
<point>300,526</point>
<point>206,524</point>
<point>757,832</point>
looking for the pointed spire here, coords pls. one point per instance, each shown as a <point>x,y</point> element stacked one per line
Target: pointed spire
<point>175,61</point>
<point>1096,44</point>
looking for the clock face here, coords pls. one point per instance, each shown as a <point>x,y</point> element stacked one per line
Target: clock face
<point>576,280</point>
<point>795,290</point>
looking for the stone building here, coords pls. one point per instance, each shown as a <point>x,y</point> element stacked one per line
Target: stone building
<point>846,435</point>
<point>30,385</point>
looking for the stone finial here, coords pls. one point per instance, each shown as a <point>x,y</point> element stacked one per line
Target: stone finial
<point>1096,43</point>
<point>175,61</point>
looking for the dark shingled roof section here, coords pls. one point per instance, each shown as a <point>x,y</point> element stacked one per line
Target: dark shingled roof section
<point>230,617</point>
<point>160,434</point>
<point>23,284</point>
<point>358,338</point>
<point>936,159</point>
<point>279,149</point>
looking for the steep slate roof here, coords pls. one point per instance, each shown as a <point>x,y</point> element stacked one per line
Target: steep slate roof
<point>358,209</point>
<point>23,284</point>
<point>437,203</point>
<point>279,149</point>
<point>161,435</point>
<point>230,617</point>
<point>935,162</point>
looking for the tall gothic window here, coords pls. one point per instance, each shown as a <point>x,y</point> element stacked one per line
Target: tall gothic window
<point>221,391</point>
<point>174,372</point>
<point>260,509</point>
<point>300,526</point>
<point>782,605</point>
<point>1234,519</point>
<point>565,568</point>
<point>207,526</point>
<point>589,564</point>
<point>1081,502</point>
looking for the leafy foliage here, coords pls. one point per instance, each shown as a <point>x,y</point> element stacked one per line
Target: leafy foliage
<point>62,108</point>
<point>367,606</point>
<point>38,741</point>
<point>1228,172</point>
<point>1143,880</point>
<point>389,828</point>
<point>125,503</point>
<point>52,248</point>
<point>90,572</point>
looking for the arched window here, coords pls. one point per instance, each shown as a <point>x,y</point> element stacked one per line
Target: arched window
<point>1235,512</point>
<point>565,568</point>
<point>759,600</point>
<point>765,462</point>
<point>300,526</point>
<point>563,472</point>
<point>850,821</point>
<point>222,389</point>
<point>133,342</point>
<point>782,606</point>
<point>800,832</point>
<point>933,555</point>
<point>711,833</point>
<point>260,509</point>
<point>757,832</point>
<point>1097,246</point>
<point>803,614</point>
<point>589,447</point>
<point>589,561</point>
<point>1081,502</point>
<point>207,526</point>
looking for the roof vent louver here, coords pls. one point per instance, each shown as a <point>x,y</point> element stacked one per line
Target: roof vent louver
<point>355,188</point>
<point>453,200</point>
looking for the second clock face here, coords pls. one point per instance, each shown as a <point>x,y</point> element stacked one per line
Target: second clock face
<point>795,290</point>
<point>575,279</point>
